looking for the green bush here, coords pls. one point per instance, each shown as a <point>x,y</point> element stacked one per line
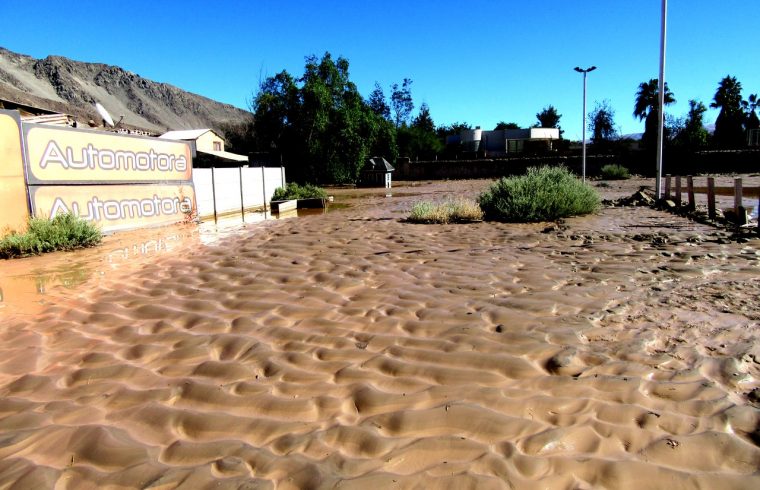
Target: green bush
<point>542,194</point>
<point>295,191</point>
<point>64,232</point>
<point>615,172</point>
<point>457,211</point>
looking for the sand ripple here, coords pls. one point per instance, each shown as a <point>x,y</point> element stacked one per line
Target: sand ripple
<point>352,350</point>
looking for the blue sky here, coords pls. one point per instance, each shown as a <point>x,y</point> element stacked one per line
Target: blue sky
<point>475,61</point>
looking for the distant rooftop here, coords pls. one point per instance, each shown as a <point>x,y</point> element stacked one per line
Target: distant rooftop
<point>187,134</point>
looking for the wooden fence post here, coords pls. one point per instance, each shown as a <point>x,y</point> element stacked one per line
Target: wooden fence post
<point>737,193</point>
<point>690,190</point>
<point>741,214</point>
<point>667,186</point>
<point>678,191</point>
<point>711,197</point>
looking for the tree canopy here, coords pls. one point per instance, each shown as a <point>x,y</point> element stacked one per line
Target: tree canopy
<point>729,131</point>
<point>319,122</point>
<point>506,125</point>
<point>602,124</point>
<point>548,118</point>
<point>647,107</point>
<point>402,104</point>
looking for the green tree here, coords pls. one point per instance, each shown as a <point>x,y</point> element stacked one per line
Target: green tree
<point>602,124</point>
<point>420,139</point>
<point>693,135</point>
<point>750,106</point>
<point>549,118</point>
<point>377,103</point>
<point>423,120</point>
<point>402,104</point>
<point>646,107</point>
<point>506,125</point>
<point>729,130</point>
<point>275,109</point>
<point>323,129</point>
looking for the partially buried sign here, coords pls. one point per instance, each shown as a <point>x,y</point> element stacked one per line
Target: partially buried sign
<point>116,207</point>
<point>117,181</point>
<point>62,155</point>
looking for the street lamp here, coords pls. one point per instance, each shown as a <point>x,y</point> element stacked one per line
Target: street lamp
<point>661,98</point>
<point>585,72</point>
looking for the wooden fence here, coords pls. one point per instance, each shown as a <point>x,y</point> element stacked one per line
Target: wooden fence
<point>675,193</point>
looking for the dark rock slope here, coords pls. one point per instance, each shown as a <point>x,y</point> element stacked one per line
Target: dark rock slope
<point>73,87</point>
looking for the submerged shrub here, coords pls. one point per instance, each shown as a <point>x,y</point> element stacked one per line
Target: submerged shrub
<point>453,211</point>
<point>542,194</point>
<point>64,232</point>
<point>295,191</point>
<point>615,172</point>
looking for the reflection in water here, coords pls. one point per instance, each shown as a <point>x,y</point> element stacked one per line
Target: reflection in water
<point>24,283</point>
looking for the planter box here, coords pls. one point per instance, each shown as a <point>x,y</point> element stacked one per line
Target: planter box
<point>311,203</point>
<point>282,206</point>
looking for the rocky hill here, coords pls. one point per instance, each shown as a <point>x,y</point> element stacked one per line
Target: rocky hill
<point>73,87</point>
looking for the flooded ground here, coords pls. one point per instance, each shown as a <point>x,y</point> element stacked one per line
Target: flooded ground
<point>350,349</point>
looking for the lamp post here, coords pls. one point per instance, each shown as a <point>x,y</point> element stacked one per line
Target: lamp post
<point>661,98</point>
<point>585,72</point>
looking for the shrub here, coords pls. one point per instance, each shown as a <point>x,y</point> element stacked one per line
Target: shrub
<point>615,172</point>
<point>542,194</point>
<point>295,191</point>
<point>456,211</point>
<point>64,232</point>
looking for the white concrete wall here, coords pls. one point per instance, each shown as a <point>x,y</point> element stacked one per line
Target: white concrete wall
<point>253,190</point>
<point>203,196</point>
<point>544,133</point>
<point>227,183</point>
<point>227,186</point>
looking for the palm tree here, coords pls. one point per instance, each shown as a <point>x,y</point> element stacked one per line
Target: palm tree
<point>750,106</point>
<point>647,102</point>
<point>728,126</point>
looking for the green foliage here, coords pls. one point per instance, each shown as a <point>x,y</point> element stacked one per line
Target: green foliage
<point>452,211</point>
<point>602,124</point>
<point>64,232</point>
<point>693,135</point>
<point>646,107</point>
<point>377,103</point>
<point>319,123</point>
<point>549,118</point>
<point>542,194</point>
<point>420,139</point>
<point>402,104</point>
<point>615,172</point>
<point>295,191</point>
<point>506,125</point>
<point>729,131</point>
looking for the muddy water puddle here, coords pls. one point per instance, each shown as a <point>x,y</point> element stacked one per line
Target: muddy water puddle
<point>28,284</point>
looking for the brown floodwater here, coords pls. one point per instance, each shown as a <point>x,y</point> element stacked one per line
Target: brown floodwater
<point>350,349</point>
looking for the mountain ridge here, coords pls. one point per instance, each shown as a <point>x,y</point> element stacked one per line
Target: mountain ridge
<point>64,85</point>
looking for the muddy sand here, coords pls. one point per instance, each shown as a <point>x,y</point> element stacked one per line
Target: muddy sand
<point>353,350</point>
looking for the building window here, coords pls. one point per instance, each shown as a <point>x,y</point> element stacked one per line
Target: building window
<point>217,146</point>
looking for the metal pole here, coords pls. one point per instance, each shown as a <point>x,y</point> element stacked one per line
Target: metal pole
<point>242,201</point>
<point>584,126</point>
<point>213,192</point>
<point>661,115</point>
<point>585,72</point>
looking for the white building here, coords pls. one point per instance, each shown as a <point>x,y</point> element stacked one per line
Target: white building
<point>208,147</point>
<point>504,141</point>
